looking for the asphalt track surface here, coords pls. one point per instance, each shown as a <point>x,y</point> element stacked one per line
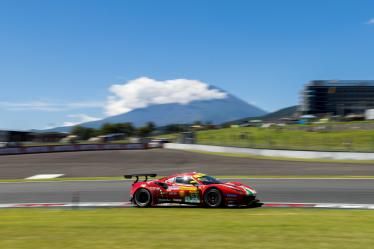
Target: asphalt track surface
<point>355,191</point>
<point>163,162</point>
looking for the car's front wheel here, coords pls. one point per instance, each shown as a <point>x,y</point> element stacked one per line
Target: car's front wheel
<point>213,198</point>
<point>142,198</point>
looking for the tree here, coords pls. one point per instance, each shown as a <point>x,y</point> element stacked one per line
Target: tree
<point>146,130</point>
<point>125,128</point>
<point>151,126</point>
<point>83,133</point>
<point>173,128</point>
<point>197,122</point>
<point>107,128</point>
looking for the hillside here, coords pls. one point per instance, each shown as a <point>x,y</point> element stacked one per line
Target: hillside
<point>287,112</point>
<point>215,111</point>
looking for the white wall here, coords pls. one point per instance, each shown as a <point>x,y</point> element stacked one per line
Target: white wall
<point>275,153</point>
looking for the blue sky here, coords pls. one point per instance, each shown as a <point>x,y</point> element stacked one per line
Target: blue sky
<point>58,59</point>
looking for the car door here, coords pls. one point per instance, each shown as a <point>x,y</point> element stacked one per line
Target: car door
<point>186,191</point>
<point>171,194</point>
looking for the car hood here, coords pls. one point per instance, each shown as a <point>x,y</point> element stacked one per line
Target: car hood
<point>245,189</point>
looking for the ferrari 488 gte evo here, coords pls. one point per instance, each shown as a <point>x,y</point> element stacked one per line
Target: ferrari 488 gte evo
<point>190,188</point>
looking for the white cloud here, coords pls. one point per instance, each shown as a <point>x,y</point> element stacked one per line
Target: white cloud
<point>82,118</point>
<point>371,21</point>
<point>32,105</point>
<point>48,106</point>
<point>136,93</point>
<point>85,104</point>
<point>142,92</point>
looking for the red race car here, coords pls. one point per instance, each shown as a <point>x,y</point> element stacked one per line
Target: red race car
<point>190,188</point>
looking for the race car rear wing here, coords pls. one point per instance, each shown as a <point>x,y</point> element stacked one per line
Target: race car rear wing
<point>138,175</point>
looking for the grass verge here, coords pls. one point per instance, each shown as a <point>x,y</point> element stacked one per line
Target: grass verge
<point>290,137</point>
<point>190,227</point>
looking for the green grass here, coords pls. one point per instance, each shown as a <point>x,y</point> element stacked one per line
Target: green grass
<point>287,138</point>
<point>186,227</point>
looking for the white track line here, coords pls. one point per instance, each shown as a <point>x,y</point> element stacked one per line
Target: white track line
<point>44,176</point>
<point>319,205</point>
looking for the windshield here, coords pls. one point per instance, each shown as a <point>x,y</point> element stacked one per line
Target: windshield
<point>206,180</point>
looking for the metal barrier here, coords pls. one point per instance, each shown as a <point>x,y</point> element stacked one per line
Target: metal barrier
<point>74,147</point>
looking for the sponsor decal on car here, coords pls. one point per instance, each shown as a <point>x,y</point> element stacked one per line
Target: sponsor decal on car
<point>199,175</point>
<point>188,188</point>
<point>164,200</point>
<point>192,198</point>
<point>249,191</point>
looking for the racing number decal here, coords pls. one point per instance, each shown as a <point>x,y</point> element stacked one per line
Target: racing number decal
<point>192,197</point>
<point>190,194</point>
<point>180,193</point>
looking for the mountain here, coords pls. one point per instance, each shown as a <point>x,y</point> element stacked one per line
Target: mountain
<point>216,111</point>
<point>287,112</point>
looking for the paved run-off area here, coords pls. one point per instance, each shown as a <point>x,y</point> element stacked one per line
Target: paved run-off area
<point>355,191</point>
<point>163,162</point>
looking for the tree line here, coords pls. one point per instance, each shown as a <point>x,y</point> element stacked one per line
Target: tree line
<point>128,129</point>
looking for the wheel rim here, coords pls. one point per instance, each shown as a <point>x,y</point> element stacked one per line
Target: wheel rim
<point>142,198</point>
<point>213,198</point>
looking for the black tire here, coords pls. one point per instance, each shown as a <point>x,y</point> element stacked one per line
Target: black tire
<point>142,198</point>
<point>213,198</point>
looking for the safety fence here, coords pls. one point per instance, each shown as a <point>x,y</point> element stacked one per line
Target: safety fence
<point>74,147</point>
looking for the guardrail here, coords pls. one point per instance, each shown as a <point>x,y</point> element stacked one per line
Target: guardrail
<point>69,148</point>
<point>275,153</point>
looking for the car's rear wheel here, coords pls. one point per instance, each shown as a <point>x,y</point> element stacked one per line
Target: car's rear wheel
<point>213,198</point>
<point>142,198</point>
